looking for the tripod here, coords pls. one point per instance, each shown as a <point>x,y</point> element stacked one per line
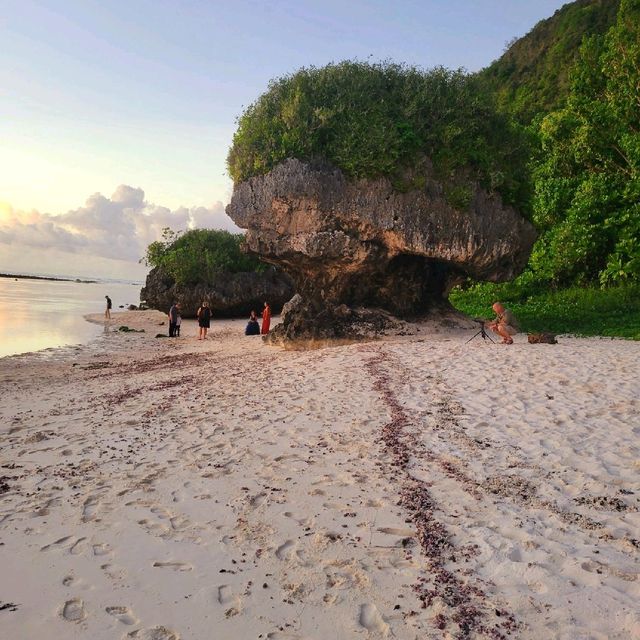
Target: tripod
<point>481,332</point>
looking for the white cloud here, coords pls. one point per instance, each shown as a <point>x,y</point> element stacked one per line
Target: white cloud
<point>116,228</point>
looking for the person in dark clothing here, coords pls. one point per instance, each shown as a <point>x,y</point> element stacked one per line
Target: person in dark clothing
<point>204,320</point>
<point>173,320</point>
<point>107,311</point>
<point>253,328</point>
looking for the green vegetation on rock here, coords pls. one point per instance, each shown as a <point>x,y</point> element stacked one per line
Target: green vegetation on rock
<point>195,257</point>
<point>384,119</point>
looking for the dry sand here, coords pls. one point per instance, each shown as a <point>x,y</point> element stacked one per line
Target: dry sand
<point>415,487</point>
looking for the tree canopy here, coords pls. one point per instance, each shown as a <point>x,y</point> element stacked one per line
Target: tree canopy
<point>197,256</point>
<point>532,76</point>
<point>587,180</point>
<point>379,119</point>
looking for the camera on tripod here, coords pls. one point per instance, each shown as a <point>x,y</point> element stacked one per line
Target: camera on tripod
<point>481,331</point>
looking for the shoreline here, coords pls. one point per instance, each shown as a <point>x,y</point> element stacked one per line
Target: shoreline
<point>162,488</point>
<point>17,276</point>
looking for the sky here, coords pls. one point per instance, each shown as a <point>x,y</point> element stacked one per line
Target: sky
<point>116,116</point>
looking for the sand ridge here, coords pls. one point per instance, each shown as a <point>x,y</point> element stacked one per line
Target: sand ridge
<point>414,487</point>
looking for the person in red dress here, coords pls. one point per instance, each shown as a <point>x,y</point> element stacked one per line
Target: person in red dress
<point>266,318</point>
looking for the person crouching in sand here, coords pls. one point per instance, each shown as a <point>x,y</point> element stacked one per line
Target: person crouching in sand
<point>204,320</point>
<point>505,324</point>
<point>253,328</point>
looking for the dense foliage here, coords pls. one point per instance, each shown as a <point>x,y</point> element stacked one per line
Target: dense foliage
<point>532,76</point>
<point>587,180</point>
<point>375,120</point>
<point>197,256</point>
<point>589,311</point>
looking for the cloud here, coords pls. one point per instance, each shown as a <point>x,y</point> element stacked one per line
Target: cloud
<point>118,228</point>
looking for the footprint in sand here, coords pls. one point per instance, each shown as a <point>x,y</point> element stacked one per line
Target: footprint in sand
<point>73,610</point>
<point>178,523</point>
<point>303,522</point>
<point>154,633</point>
<point>122,614</point>
<point>176,566</point>
<point>285,550</point>
<point>89,508</point>
<point>57,544</point>
<point>257,500</point>
<point>154,528</point>
<point>371,619</point>
<point>392,531</point>
<point>101,549</point>
<point>77,547</point>
<point>227,598</point>
<point>114,572</point>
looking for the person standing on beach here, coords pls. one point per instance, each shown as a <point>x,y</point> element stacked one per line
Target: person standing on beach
<point>204,320</point>
<point>107,311</point>
<point>505,324</point>
<point>173,320</point>
<point>266,318</point>
<point>178,320</point>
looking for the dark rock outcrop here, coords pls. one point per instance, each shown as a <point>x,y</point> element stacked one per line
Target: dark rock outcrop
<point>230,295</point>
<point>365,245</point>
<point>302,321</point>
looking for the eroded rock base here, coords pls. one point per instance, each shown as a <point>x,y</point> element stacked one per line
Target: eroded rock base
<point>307,323</point>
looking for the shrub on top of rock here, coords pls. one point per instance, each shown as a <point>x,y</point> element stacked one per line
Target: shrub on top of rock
<point>379,120</point>
<point>199,255</point>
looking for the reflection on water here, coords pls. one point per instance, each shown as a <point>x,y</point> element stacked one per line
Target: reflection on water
<point>38,314</point>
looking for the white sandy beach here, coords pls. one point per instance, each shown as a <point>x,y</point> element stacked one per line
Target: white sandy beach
<point>412,487</point>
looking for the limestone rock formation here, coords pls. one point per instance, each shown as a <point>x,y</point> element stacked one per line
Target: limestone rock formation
<point>364,244</point>
<point>230,295</point>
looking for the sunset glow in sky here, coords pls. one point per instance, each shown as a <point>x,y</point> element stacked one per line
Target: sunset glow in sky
<point>145,93</point>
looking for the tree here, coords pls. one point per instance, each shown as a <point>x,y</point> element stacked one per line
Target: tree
<point>383,119</point>
<point>587,184</point>
<point>197,256</point>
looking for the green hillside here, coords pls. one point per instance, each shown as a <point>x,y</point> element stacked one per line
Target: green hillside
<point>573,81</point>
<point>532,76</point>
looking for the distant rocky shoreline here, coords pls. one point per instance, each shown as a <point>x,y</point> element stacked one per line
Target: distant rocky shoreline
<point>17,276</point>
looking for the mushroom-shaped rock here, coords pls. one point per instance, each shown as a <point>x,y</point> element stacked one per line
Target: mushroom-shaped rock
<point>362,243</point>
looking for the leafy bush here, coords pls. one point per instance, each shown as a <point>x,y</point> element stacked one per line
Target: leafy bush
<point>587,182</point>
<point>197,256</point>
<point>381,119</point>
<point>587,311</point>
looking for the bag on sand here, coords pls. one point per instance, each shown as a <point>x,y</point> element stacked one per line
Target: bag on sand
<point>542,338</point>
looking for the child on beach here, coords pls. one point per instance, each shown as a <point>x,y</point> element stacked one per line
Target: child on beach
<point>178,321</point>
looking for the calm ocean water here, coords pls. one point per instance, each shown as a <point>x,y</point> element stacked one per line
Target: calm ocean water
<point>38,314</point>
